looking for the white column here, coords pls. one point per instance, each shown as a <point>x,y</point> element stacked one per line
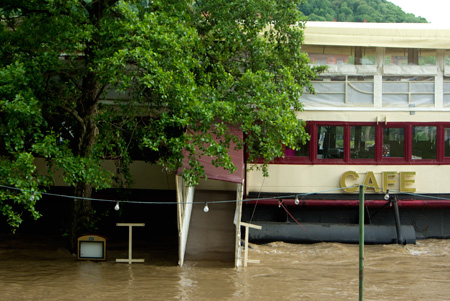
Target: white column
<point>439,79</point>
<point>378,79</point>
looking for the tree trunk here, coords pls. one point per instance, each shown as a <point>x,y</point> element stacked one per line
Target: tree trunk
<point>86,136</point>
<point>87,131</point>
<point>82,215</point>
<point>82,212</point>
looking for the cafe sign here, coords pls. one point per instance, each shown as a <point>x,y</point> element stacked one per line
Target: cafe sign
<point>350,180</point>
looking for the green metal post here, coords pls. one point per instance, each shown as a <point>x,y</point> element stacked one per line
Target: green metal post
<point>398,224</point>
<point>361,242</point>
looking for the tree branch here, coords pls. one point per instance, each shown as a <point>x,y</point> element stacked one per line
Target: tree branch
<point>76,115</point>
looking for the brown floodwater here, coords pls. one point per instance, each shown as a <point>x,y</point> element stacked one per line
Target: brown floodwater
<point>35,269</point>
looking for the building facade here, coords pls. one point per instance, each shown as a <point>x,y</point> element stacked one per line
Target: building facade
<point>380,117</point>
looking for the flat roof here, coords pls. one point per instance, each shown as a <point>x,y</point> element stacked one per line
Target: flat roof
<point>396,35</point>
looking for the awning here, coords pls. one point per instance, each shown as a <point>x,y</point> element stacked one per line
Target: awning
<point>219,173</point>
<point>397,35</point>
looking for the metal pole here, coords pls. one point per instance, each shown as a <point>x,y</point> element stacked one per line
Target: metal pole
<point>361,242</point>
<point>398,225</point>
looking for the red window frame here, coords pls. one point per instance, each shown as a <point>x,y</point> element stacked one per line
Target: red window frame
<point>406,143</point>
<point>440,144</point>
<point>379,159</point>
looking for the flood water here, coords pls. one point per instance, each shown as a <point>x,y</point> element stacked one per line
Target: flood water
<point>38,269</point>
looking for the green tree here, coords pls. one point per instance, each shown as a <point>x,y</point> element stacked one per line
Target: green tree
<point>345,14</point>
<point>179,71</point>
<point>357,11</point>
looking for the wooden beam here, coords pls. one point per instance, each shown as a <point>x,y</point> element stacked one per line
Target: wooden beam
<point>247,226</point>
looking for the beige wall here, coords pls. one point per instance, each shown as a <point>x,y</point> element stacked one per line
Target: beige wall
<point>147,176</point>
<point>371,116</point>
<point>284,178</point>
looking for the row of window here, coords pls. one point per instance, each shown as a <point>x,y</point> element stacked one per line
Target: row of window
<point>353,55</point>
<point>359,90</point>
<point>371,143</point>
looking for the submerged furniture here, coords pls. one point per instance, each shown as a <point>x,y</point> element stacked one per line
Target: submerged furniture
<point>130,242</point>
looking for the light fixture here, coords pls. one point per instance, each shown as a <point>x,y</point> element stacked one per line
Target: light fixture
<point>117,207</point>
<point>386,196</point>
<point>206,208</point>
<point>296,201</point>
<point>32,197</point>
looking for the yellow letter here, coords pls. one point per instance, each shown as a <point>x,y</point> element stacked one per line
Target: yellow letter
<point>342,181</point>
<point>388,179</point>
<point>404,181</point>
<point>371,182</point>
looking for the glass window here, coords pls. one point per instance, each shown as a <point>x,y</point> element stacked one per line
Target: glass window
<point>405,91</point>
<point>340,55</point>
<point>446,91</point>
<point>396,56</point>
<point>368,56</point>
<point>362,142</point>
<point>410,56</point>
<point>447,142</point>
<point>360,90</point>
<point>330,142</point>
<point>393,142</point>
<point>424,142</point>
<point>427,57</point>
<point>303,150</point>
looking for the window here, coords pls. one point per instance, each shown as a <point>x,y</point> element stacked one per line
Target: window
<point>393,143</point>
<point>446,88</point>
<point>362,142</point>
<point>302,152</point>
<point>424,142</point>
<point>447,142</point>
<point>330,142</point>
<point>427,57</point>
<point>408,91</point>
<point>410,56</point>
<point>341,90</point>
<point>396,56</point>
<point>447,58</point>
<point>340,55</point>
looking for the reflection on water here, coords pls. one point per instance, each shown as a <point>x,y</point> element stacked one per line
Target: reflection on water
<point>324,271</point>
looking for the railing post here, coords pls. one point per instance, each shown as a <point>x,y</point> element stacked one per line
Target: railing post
<point>361,242</point>
<point>247,225</point>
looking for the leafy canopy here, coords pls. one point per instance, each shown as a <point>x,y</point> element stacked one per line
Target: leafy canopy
<point>86,80</point>
<point>381,11</point>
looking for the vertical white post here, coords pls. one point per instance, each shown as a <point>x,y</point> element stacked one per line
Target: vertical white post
<point>439,79</point>
<point>130,244</point>
<point>236,222</point>
<point>186,219</point>
<point>378,79</point>
<point>246,247</point>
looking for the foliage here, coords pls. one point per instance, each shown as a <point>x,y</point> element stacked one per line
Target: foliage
<point>380,11</point>
<point>82,81</point>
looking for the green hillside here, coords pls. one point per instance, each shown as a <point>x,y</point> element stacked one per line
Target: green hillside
<point>380,11</point>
